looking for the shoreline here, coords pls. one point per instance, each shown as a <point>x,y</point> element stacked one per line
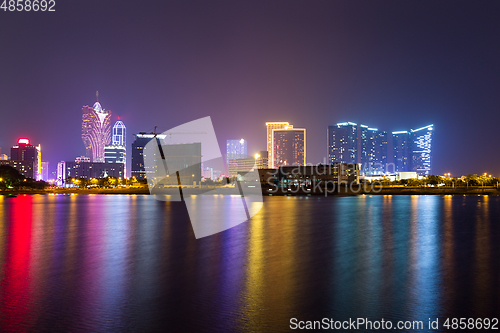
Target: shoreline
<point>359,190</point>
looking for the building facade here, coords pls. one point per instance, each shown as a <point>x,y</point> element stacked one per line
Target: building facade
<point>236,154</point>
<point>87,170</point>
<point>137,166</point>
<point>413,150</point>
<point>262,159</point>
<point>270,127</point>
<point>236,149</point>
<point>25,168</point>
<point>342,141</point>
<point>310,175</point>
<point>373,151</point>
<point>421,150</point>
<point>401,142</point>
<point>24,151</point>
<point>96,131</point>
<point>289,147</point>
<point>119,134</point>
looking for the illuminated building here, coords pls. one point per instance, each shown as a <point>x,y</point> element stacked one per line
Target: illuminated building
<point>262,160</point>
<point>236,149</point>
<point>117,152</point>
<point>24,151</point>
<point>141,139</point>
<point>289,147</point>
<point>87,170</point>
<point>270,127</point>
<point>82,159</point>
<point>96,130</point>
<point>114,154</point>
<point>421,150</point>
<point>342,140</point>
<point>236,156</point>
<point>45,171</point>
<point>25,168</point>
<point>401,142</point>
<point>119,134</point>
<point>310,175</point>
<point>413,150</point>
<point>373,150</point>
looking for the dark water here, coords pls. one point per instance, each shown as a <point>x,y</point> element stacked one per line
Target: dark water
<point>130,263</point>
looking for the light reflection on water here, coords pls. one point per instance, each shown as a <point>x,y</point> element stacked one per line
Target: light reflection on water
<point>131,263</point>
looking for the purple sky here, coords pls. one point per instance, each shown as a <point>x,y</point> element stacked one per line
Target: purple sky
<point>393,65</point>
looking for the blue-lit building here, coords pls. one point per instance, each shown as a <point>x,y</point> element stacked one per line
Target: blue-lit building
<point>421,150</point>
<point>116,152</point>
<point>413,150</point>
<point>236,149</point>
<point>401,142</point>
<point>373,151</point>
<point>342,141</point>
<point>236,156</point>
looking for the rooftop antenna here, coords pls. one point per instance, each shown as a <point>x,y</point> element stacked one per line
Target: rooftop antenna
<point>97,95</point>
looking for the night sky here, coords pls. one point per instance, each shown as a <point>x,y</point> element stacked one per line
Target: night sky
<point>394,65</point>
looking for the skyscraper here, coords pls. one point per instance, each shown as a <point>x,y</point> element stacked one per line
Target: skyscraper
<point>413,150</point>
<point>96,130</point>
<point>117,152</point>
<point>236,155</point>
<point>270,126</point>
<point>138,170</point>
<point>421,150</point>
<point>373,150</point>
<point>236,149</point>
<point>24,151</point>
<point>343,143</point>
<point>289,146</point>
<point>262,159</point>
<point>402,153</point>
<point>119,134</point>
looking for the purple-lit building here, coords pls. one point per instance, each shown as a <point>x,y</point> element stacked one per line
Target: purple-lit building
<point>96,130</point>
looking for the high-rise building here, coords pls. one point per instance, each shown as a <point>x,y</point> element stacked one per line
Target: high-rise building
<point>270,127</point>
<point>119,134</point>
<point>114,154</point>
<point>138,170</point>
<point>262,159</point>
<point>25,168</point>
<point>413,150</point>
<point>24,151</point>
<point>421,150</point>
<point>96,130</point>
<point>117,151</point>
<point>236,156</point>
<point>45,171</point>
<point>236,149</point>
<point>343,143</point>
<point>401,142</point>
<point>373,150</point>
<point>289,147</point>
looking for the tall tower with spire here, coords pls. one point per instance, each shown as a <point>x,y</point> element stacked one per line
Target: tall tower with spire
<point>96,130</point>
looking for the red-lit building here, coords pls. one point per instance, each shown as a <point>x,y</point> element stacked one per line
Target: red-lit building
<point>26,158</point>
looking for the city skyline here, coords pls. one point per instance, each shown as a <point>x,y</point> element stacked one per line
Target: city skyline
<point>338,61</point>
